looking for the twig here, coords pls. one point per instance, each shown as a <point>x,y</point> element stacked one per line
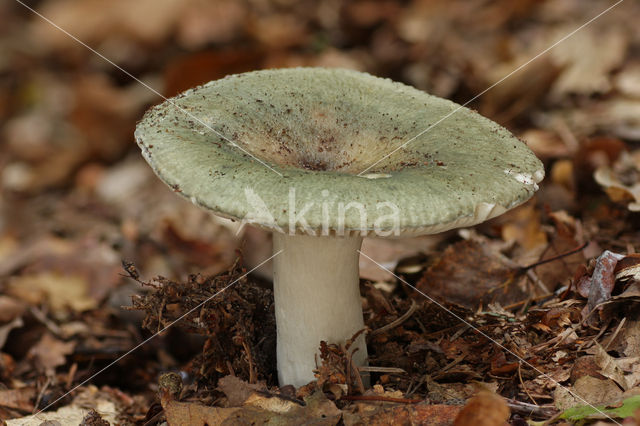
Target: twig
<point>459,333</point>
<point>526,409</point>
<point>71,374</point>
<point>523,386</point>
<point>537,281</point>
<point>588,344</point>
<point>451,365</point>
<point>42,317</point>
<point>439,332</point>
<point>555,341</point>
<point>355,369</point>
<point>348,373</point>
<point>417,386</point>
<point>412,309</point>
<point>380,398</point>
<point>41,393</point>
<point>252,373</point>
<point>374,369</point>
<point>556,257</point>
<point>422,327</point>
<point>524,302</point>
<point>615,333</point>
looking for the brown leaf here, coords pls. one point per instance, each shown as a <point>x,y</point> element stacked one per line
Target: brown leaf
<point>75,413</point>
<point>92,22</point>
<point>484,409</point>
<point>201,67</point>
<point>590,389</point>
<point>585,366</point>
<point>20,399</point>
<point>621,181</point>
<point>629,339</point>
<point>545,144</point>
<point>469,274</point>
<point>628,267</point>
<point>520,92</point>
<point>195,25</point>
<point>10,309</point>
<point>279,30</point>
<point>60,291</point>
<point>237,390</point>
<point>587,71</point>
<point>567,236</point>
<point>416,414</point>
<point>260,410</point>
<point>5,329</point>
<point>609,367</point>
<point>524,227</point>
<point>602,279</point>
<point>50,352</point>
<point>389,251</point>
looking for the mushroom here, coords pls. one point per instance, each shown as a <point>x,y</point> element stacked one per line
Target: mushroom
<point>304,152</point>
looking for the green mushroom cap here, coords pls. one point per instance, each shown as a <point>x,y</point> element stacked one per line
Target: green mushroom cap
<point>286,150</point>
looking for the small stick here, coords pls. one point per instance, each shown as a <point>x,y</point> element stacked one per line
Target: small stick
<point>41,393</point>
<point>42,317</point>
<point>615,333</point>
<point>553,258</point>
<point>523,386</point>
<point>373,369</point>
<point>526,409</point>
<point>380,398</point>
<point>417,386</point>
<point>588,344</point>
<point>524,302</point>
<point>252,373</point>
<point>412,309</point>
<point>537,281</point>
<point>353,368</point>
<point>71,374</point>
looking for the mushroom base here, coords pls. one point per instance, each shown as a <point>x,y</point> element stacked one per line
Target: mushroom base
<point>317,297</point>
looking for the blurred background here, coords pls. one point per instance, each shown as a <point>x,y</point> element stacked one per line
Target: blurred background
<point>73,183</point>
<point>76,196</point>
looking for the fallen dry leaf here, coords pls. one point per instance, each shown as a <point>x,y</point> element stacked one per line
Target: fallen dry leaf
<point>388,252</point>
<point>629,339</point>
<point>10,309</point>
<point>546,144</point>
<point>589,390</point>
<point>622,181</point>
<point>381,414</point>
<point>20,399</point>
<point>60,291</point>
<point>237,390</point>
<point>602,280</point>
<point>484,409</point>
<point>525,228</point>
<point>628,268</point>
<point>261,409</point>
<point>5,329</point>
<point>91,22</point>
<point>587,58</point>
<point>627,81</point>
<point>50,353</point>
<point>609,368</point>
<point>69,415</point>
<point>469,274</point>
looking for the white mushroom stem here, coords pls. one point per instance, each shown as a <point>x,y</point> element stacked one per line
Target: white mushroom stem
<point>317,298</point>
